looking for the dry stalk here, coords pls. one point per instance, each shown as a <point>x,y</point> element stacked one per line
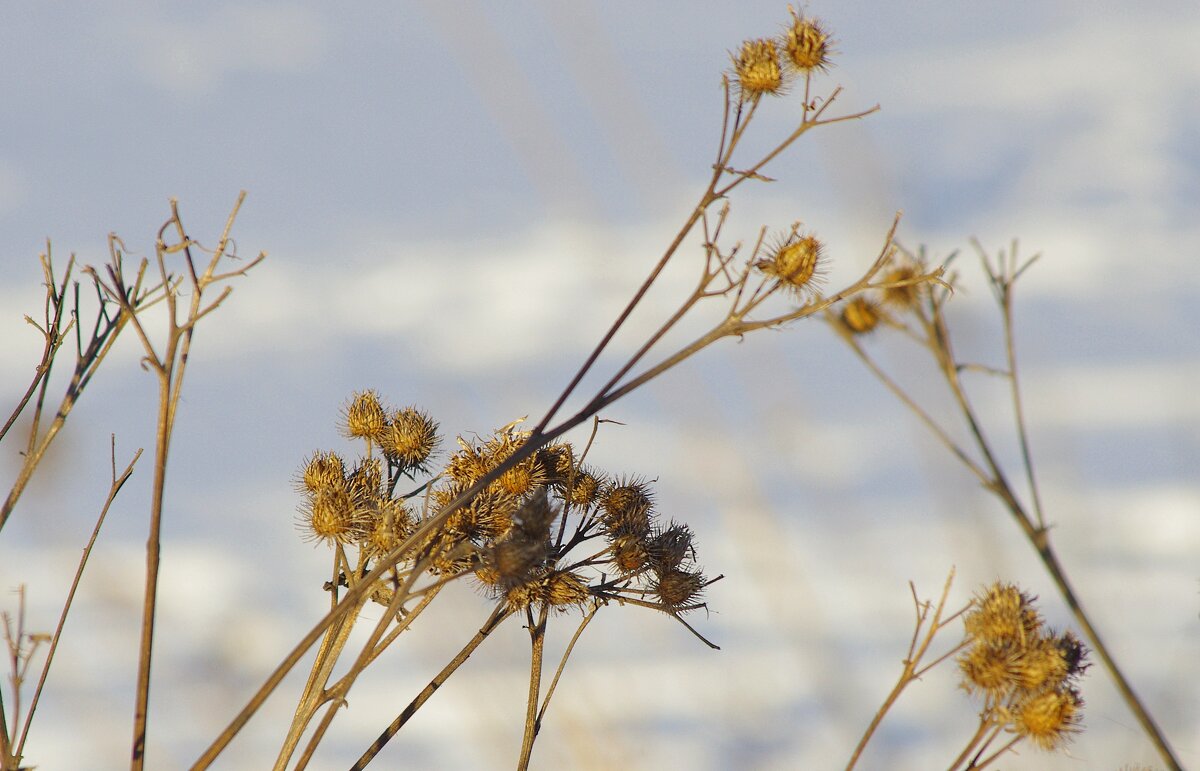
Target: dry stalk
<point>925,322</point>
<point>169,367</point>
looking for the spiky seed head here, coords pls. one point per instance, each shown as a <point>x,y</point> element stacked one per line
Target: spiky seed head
<point>626,508</point>
<point>392,523</point>
<point>332,516</point>
<point>584,488</point>
<point>525,477</point>
<point>466,465</point>
<point>324,470</point>
<point>1074,653</point>
<point>409,439</point>
<point>860,315</point>
<point>990,668</point>
<point>908,285</point>
<point>757,69</point>
<point>366,482</point>
<point>796,262</point>
<point>1003,612</point>
<point>630,556</point>
<point>564,588</point>
<point>534,517</point>
<point>514,560</point>
<point>678,588</point>
<point>364,416</point>
<point>806,45</point>
<point>1050,718</point>
<point>669,548</point>
<point>558,460</point>
<point>1041,666</point>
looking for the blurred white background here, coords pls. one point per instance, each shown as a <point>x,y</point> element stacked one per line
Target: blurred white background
<point>457,198</point>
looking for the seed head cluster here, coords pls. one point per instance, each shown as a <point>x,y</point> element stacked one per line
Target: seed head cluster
<point>530,537</point>
<point>765,65</point>
<point>901,290</point>
<point>1026,673</point>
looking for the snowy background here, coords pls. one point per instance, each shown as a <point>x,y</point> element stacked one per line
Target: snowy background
<point>457,198</point>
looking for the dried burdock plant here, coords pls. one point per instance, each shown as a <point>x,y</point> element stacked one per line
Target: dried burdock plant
<point>520,514</point>
<point>1026,675</point>
<point>487,516</point>
<point>916,309</point>
<point>548,536</point>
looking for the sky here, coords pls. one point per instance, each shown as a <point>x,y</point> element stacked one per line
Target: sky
<point>457,198</point>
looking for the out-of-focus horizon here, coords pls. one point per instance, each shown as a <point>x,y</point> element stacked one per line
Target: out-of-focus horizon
<point>457,198</point>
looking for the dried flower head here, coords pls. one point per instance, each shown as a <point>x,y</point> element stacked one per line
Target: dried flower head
<point>563,588</point>
<point>332,516</point>
<point>1027,673</point>
<point>1002,613</point>
<point>392,523</point>
<point>365,483</point>
<point>806,45</point>
<point>907,284</point>
<point>1048,719</point>
<point>678,590</point>
<point>860,315</point>
<point>409,438</point>
<point>559,462</point>
<point>364,416</point>
<point>513,560</point>
<point>990,669</point>
<point>584,488</point>
<point>669,548</point>
<point>630,555</point>
<point>757,69</point>
<point>626,507</point>
<point>795,261</point>
<point>324,470</point>
<point>525,477</point>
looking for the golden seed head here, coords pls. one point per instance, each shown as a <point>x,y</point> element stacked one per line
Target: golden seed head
<point>796,263</point>
<point>757,68</point>
<point>626,508</point>
<point>630,555</point>
<point>365,483</point>
<point>1049,718</point>
<point>860,315</point>
<point>522,596</point>
<point>585,487</point>
<point>911,284</point>
<point>324,470</point>
<point>392,524</point>
<point>990,668</point>
<point>806,45</point>
<point>364,416</point>
<point>332,516</point>
<point>1041,666</point>
<point>525,477</point>
<point>466,465</point>
<point>558,460</point>
<point>409,438</point>
<point>564,588</point>
<point>1003,613</point>
<point>678,588</point>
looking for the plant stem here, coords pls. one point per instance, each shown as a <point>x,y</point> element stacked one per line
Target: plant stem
<point>498,615</point>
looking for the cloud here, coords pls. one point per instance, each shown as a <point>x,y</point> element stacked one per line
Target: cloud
<point>193,56</point>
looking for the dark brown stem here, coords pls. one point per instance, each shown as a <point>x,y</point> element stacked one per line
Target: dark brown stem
<point>498,615</point>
